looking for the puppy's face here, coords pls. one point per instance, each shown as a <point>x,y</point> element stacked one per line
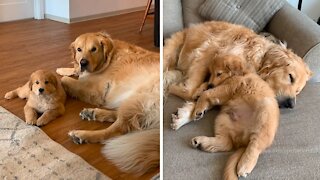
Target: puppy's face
<point>287,75</point>
<point>91,51</point>
<point>223,67</point>
<point>43,83</point>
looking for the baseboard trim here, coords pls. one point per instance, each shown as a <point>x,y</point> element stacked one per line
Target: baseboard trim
<point>108,14</point>
<point>91,17</point>
<point>57,18</point>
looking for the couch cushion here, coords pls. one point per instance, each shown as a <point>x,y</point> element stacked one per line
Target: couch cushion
<point>252,14</point>
<point>172,17</point>
<point>295,153</point>
<point>190,12</point>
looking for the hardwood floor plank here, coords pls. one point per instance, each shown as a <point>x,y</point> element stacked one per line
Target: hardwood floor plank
<point>29,45</point>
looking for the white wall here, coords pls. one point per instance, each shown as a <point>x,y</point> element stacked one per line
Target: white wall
<point>81,8</point>
<point>309,7</point>
<point>58,8</point>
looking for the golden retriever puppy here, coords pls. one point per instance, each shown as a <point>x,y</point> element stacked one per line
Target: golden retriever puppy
<point>248,119</point>
<point>123,79</point>
<point>192,49</point>
<point>45,95</point>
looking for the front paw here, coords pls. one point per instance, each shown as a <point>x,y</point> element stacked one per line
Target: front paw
<point>76,136</point>
<point>31,122</point>
<point>87,114</point>
<point>198,113</point>
<point>9,95</point>
<point>66,71</point>
<point>176,121</point>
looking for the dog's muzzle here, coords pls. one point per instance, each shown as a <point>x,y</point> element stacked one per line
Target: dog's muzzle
<point>84,64</point>
<point>287,102</point>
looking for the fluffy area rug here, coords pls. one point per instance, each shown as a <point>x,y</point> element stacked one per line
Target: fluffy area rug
<point>26,152</point>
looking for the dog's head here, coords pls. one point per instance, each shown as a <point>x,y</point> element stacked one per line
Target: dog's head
<point>43,82</point>
<point>224,66</point>
<point>92,51</point>
<point>286,73</point>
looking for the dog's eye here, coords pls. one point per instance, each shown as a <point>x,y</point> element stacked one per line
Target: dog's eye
<point>219,74</point>
<point>46,82</point>
<point>79,49</point>
<point>291,78</point>
<point>93,49</point>
<point>37,82</point>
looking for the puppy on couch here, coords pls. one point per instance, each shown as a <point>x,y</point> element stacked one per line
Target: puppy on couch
<point>45,96</point>
<point>248,119</point>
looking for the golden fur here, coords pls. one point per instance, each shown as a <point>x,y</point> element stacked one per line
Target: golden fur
<point>192,49</point>
<point>45,95</point>
<point>248,119</point>
<point>123,79</point>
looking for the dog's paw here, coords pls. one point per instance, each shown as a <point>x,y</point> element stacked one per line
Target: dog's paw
<point>76,137</point>
<point>245,166</point>
<point>175,125</point>
<point>87,114</point>
<point>66,71</point>
<point>198,113</point>
<point>9,95</point>
<point>30,122</point>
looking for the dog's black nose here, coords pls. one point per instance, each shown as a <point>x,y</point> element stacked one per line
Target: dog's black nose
<point>84,62</point>
<point>287,103</point>
<point>210,86</point>
<point>290,102</point>
<point>41,90</point>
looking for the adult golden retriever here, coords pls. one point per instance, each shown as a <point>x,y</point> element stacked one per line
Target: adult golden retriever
<point>248,119</point>
<point>45,95</point>
<point>190,51</point>
<point>124,80</point>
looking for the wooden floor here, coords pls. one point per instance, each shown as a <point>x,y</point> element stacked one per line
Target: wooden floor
<point>29,45</point>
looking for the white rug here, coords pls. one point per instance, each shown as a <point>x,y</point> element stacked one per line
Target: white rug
<point>26,152</point>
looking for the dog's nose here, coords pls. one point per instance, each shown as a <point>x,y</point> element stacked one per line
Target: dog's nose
<point>84,62</point>
<point>288,103</point>
<point>41,90</point>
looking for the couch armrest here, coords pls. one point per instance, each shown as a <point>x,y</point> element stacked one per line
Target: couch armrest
<point>301,33</point>
<point>298,30</point>
<point>172,17</point>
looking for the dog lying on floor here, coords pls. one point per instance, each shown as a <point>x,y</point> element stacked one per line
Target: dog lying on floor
<point>45,95</point>
<point>124,80</point>
<point>248,119</point>
<point>191,50</point>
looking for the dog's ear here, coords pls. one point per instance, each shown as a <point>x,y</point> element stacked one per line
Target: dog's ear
<point>73,51</point>
<point>53,79</point>
<point>235,67</point>
<point>106,44</point>
<point>30,82</point>
<point>73,56</point>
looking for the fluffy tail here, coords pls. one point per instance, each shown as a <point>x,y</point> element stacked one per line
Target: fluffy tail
<point>231,167</point>
<point>135,152</point>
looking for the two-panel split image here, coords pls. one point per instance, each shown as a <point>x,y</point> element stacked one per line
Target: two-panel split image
<point>164,89</point>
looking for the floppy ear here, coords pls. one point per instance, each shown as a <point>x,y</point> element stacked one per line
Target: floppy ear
<point>73,51</point>
<point>235,67</point>
<point>30,83</point>
<point>106,44</point>
<point>73,56</point>
<point>53,79</point>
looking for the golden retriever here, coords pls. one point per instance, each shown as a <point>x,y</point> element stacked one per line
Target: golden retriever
<point>45,95</point>
<point>248,119</point>
<point>123,79</point>
<point>192,49</point>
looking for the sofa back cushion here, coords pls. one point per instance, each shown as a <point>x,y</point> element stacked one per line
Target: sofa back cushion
<point>254,14</point>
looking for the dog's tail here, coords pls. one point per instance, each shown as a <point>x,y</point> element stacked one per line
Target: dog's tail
<point>171,50</point>
<point>135,152</point>
<point>231,166</point>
